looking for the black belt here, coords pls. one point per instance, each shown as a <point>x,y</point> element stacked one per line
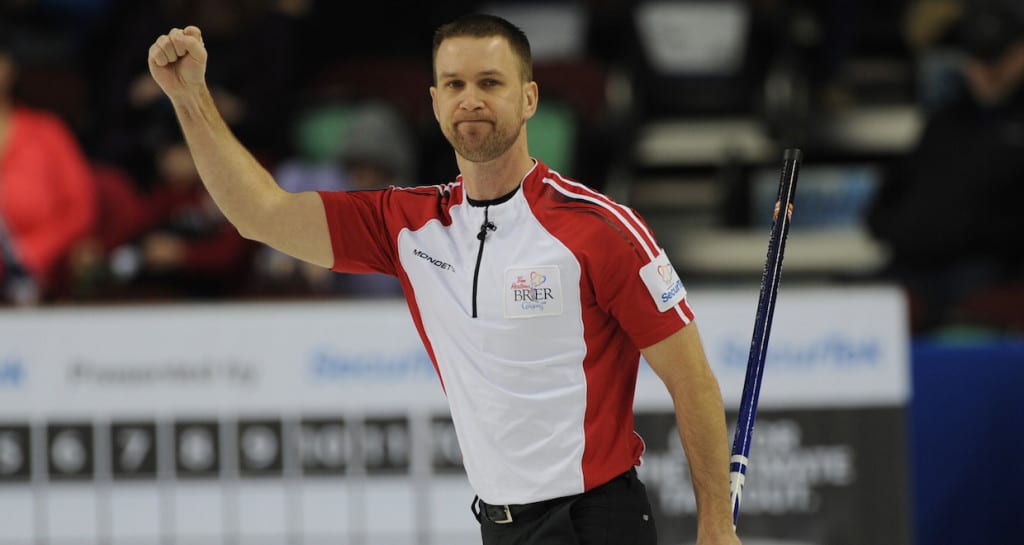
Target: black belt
<point>505,514</point>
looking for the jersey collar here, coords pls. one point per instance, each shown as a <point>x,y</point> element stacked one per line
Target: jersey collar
<point>506,197</point>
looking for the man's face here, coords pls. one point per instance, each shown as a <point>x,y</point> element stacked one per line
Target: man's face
<point>992,82</point>
<point>480,100</point>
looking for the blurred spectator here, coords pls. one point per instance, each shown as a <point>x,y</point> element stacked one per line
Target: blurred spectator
<point>50,36</point>
<point>951,212</point>
<point>122,217</point>
<point>47,200</point>
<point>928,22</point>
<point>380,152</point>
<point>929,31</point>
<point>340,146</point>
<point>50,31</point>
<point>186,248</point>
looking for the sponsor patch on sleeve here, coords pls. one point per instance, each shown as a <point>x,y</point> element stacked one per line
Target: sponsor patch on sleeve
<point>662,281</point>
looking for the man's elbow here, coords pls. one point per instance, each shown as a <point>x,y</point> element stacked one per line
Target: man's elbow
<point>247,233</point>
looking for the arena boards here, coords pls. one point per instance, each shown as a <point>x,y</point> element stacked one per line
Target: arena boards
<point>325,423</point>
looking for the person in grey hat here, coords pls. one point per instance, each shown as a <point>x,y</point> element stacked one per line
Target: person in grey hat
<point>380,149</point>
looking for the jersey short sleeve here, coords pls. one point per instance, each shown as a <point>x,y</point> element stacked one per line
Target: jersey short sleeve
<point>358,225</point>
<point>635,282</point>
<point>630,275</point>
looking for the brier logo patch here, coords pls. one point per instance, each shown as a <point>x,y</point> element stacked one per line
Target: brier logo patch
<point>533,291</point>
<point>662,281</point>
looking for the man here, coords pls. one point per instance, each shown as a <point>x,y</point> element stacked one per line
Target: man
<point>531,294</point>
<point>950,212</point>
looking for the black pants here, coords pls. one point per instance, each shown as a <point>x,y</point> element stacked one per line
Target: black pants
<point>616,513</point>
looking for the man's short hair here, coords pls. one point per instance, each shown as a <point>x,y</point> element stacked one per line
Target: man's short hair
<point>482,25</point>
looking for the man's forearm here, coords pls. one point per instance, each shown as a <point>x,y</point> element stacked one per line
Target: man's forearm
<point>700,415</point>
<point>243,190</point>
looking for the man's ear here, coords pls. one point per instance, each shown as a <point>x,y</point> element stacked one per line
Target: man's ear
<point>433,103</point>
<point>530,96</point>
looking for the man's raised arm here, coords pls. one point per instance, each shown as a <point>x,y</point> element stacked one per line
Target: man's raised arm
<point>246,193</point>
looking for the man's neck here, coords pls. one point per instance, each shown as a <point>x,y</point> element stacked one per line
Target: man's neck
<point>496,178</point>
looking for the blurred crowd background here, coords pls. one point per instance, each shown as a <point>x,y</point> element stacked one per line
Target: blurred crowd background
<point>910,114</point>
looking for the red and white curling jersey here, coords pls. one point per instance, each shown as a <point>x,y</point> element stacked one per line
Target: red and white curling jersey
<point>532,308</point>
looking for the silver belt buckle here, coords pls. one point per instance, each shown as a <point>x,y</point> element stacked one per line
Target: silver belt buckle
<point>508,516</point>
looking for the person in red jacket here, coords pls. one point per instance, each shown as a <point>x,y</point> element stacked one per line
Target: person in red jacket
<point>47,198</point>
